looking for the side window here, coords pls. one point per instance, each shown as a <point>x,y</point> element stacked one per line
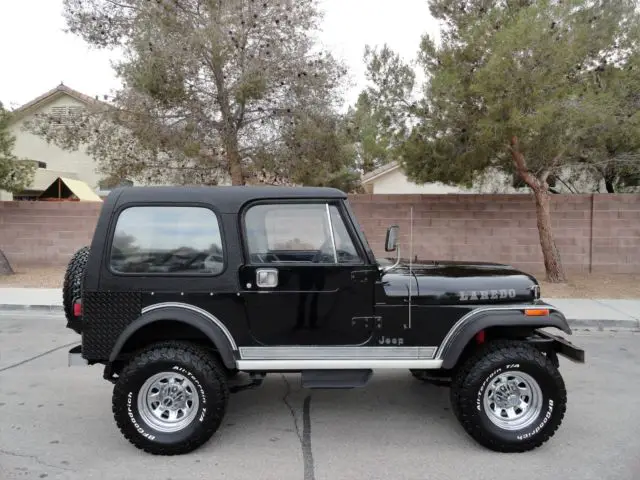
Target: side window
<point>345,248</point>
<point>167,240</point>
<point>298,233</point>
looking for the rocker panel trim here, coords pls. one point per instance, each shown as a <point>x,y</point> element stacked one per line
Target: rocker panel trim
<point>337,353</point>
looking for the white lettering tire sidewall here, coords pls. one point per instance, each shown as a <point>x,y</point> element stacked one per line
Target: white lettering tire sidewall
<point>147,431</point>
<point>548,414</point>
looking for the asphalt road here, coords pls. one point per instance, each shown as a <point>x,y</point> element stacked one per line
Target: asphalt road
<point>56,423</point>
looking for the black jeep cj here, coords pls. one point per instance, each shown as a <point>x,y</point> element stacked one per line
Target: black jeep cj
<point>183,288</point>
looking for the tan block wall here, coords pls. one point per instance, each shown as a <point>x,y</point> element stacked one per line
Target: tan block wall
<point>599,233</point>
<point>45,233</point>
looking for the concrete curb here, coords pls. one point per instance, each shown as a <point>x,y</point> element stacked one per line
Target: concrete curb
<point>602,324</point>
<point>31,308</point>
<point>573,322</point>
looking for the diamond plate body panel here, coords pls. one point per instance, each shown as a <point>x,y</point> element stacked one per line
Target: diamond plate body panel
<point>107,314</point>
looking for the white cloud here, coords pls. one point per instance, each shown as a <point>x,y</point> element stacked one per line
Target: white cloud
<point>37,54</point>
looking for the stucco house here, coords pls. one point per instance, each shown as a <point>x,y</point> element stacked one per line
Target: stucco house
<point>391,179</point>
<point>53,162</point>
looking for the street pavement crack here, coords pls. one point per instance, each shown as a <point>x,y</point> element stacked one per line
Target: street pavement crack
<point>305,436</point>
<point>34,458</point>
<point>307,453</point>
<point>35,357</point>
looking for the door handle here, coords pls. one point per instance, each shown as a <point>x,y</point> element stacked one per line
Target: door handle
<point>267,277</point>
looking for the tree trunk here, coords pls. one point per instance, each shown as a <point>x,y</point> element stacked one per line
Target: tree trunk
<point>5,266</point>
<point>235,165</point>
<point>237,177</point>
<point>609,185</point>
<point>550,252</point>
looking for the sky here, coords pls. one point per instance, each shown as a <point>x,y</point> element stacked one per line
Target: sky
<point>36,54</point>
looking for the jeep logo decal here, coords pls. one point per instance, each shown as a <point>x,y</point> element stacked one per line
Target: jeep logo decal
<point>467,296</point>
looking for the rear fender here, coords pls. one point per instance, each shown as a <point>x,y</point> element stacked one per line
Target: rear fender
<point>487,317</point>
<point>189,315</point>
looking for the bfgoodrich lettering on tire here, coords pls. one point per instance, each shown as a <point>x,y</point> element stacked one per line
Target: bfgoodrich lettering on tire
<point>170,399</point>
<point>509,397</point>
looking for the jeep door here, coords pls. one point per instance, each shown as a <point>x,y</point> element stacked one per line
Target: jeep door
<point>306,280</point>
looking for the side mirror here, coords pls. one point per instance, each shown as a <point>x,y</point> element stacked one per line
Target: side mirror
<point>391,242</point>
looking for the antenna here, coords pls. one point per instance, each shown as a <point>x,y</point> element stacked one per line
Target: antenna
<point>410,260</point>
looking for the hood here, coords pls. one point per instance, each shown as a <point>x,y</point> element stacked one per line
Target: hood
<point>451,282</point>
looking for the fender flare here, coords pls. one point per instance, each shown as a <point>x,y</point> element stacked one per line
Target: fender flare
<point>466,328</point>
<point>187,314</point>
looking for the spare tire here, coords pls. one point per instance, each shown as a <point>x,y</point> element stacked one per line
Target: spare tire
<point>72,286</point>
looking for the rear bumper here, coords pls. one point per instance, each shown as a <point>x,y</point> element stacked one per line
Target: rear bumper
<point>75,357</point>
<point>563,347</point>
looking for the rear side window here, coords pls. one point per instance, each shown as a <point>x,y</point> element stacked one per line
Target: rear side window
<point>167,240</point>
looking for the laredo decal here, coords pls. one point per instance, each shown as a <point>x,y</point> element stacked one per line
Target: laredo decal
<point>469,296</point>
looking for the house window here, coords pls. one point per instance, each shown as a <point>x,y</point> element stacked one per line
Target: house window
<point>167,241</point>
<point>65,115</point>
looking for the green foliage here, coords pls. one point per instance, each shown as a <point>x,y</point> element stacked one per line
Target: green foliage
<point>210,88</point>
<point>365,130</point>
<point>15,174</point>
<point>558,76</point>
<point>610,149</point>
<point>317,151</point>
<point>379,122</point>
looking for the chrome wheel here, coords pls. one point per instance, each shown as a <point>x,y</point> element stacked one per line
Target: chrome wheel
<point>513,400</point>
<point>168,402</point>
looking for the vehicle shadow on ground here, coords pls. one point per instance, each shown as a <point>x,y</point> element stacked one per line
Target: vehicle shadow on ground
<point>390,398</point>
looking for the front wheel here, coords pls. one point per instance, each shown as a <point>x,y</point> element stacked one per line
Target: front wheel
<point>170,399</point>
<point>509,397</point>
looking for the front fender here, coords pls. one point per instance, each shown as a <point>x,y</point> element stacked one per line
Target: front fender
<point>210,326</point>
<point>486,317</point>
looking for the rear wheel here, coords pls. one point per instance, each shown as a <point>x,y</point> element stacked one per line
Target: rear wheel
<point>509,397</point>
<point>171,398</point>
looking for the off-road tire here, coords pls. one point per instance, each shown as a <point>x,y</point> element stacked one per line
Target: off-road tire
<point>190,360</point>
<point>473,378</point>
<point>72,285</point>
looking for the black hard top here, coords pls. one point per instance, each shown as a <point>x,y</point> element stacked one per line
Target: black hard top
<point>227,199</point>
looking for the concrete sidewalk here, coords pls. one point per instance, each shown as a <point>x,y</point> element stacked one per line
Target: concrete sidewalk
<point>591,313</point>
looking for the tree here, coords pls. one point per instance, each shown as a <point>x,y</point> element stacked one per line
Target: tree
<point>316,151</point>
<point>15,174</point>
<point>513,88</point>
<point>365,130</point>
<point>379,121</point>
<point>208,85</point>
<point>321,153</point>
<point>611,148</point>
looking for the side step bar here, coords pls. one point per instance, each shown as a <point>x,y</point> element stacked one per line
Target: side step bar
<point>335,378</point>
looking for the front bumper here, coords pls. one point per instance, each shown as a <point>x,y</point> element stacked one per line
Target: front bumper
<point>563,347</point>
<point>76,358</point>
